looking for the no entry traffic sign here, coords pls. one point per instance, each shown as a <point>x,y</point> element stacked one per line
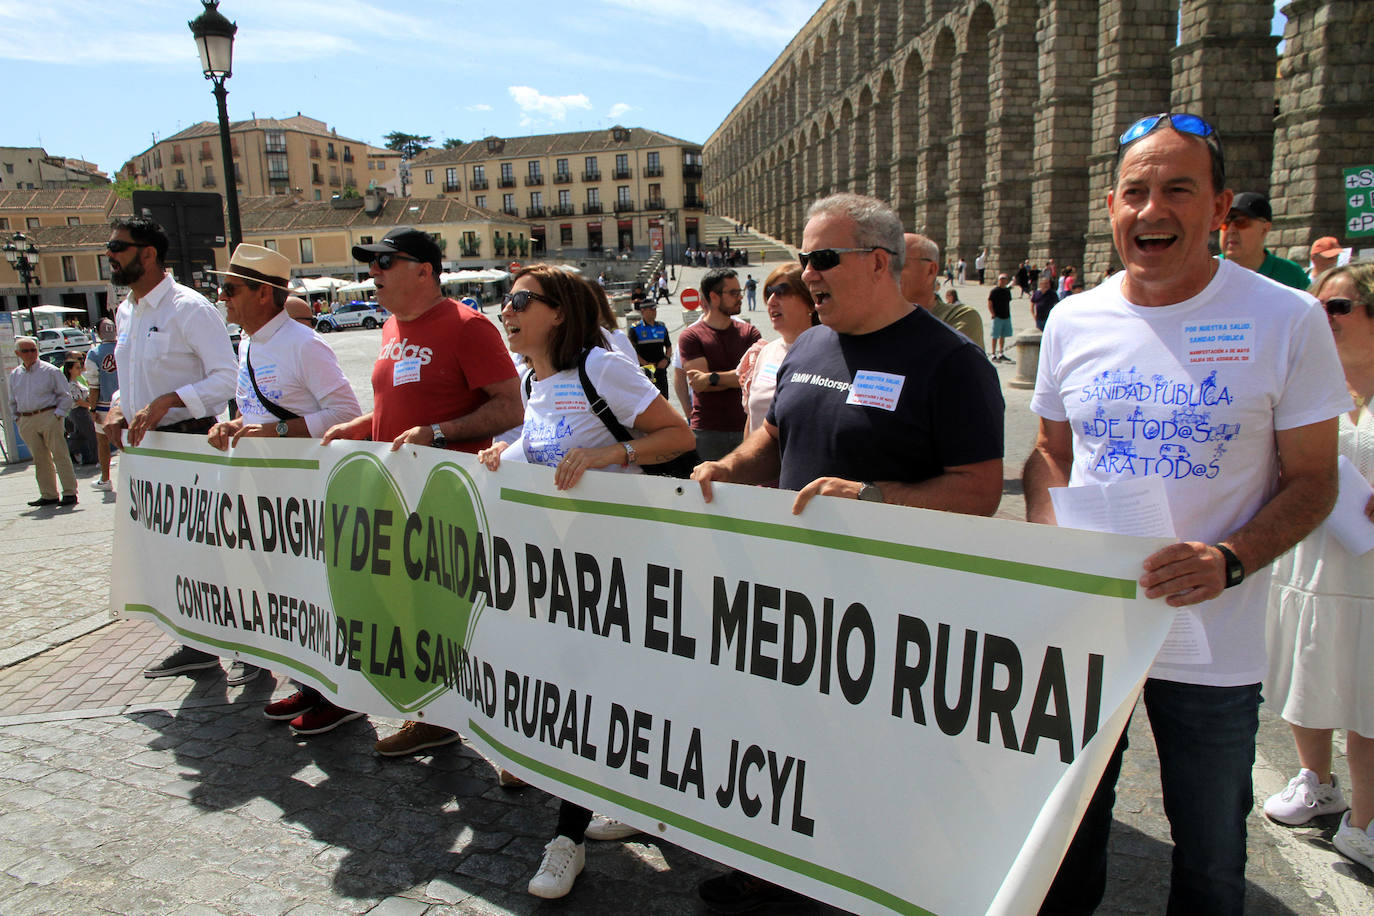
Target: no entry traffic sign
<point>690,299</point>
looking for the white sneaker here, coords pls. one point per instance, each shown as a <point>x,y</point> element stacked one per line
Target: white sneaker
<point>105,485</point>
<point>608,828</point>
<point>563,862</point>
<point>1355,844</point>
<point>1304,798</point>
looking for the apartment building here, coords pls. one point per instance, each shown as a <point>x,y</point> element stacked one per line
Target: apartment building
<point>31,168</point>
<point>626,188</point>
<point>70,229</point>
<point>297,156</point>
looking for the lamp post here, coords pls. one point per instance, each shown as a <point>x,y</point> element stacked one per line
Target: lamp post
<point>669,231</point>
<point>214,36</point>
<point>23,257</point>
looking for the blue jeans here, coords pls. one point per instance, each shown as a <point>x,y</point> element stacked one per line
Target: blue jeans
<point>1205,737</point>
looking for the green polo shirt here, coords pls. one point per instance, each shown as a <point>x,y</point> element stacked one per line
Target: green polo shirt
<point>1282,270</point>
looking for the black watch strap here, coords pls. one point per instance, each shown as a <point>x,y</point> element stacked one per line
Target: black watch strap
<point>1235,570</point>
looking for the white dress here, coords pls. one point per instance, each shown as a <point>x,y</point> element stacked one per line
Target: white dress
<point>1321,619</point>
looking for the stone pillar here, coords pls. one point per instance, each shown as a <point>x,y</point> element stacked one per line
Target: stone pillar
<point>968,144</point>
<point>1012,85</point>
<point>860,164</point>
<point>1224,71</point>
<point>1325,121</point>
<point>1133,45</point>
<point>1067,36</point>
<point>932,165</point>
<point>909,128</point>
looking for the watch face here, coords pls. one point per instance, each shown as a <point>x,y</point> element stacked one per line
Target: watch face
<point>282,429</point>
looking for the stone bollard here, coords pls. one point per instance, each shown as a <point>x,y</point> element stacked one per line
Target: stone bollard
<point>1027,345</point>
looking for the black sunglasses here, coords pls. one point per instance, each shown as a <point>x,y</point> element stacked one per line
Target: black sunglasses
<point>1340,306</point>
<point>115,246</point>
<point>826,258</point>
<point>388,258</point>
<point>230,290</point>
<point>520,300</point>
<point>779,289</point>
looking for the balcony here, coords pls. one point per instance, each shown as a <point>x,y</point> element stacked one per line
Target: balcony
<point>179,184</point>
<point>506,181</point>
<point>511,210</point>
<point>334,181</point>
<point>451,187</point>
<point>208,181</point>
<point>591,176</point>
<point>562,177</point>
<point>591,208</point>
<point>275,146</point>
<point>655,203</point>
<point>206,155</point>
<point>317,178</point>
<point>653,171</point>
<point>624,206</point>
<point>329,155</point>
<point>282,176</point>
<point>350,183</point>
<point>477,184</point>
<point>178,159</point>
<point>622,174</point>
<point>314,152</point>
<point>348,156</point>
<point>534,213</point>
<point>691,171</point>
<point>533,180</point>
<point>562,210</point>
<point>692,202</point>
<point>470,251</point>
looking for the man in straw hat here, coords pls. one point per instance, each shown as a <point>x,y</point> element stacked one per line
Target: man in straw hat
<point>289,384</point>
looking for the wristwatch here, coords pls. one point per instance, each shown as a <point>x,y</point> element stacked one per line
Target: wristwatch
<point>1235,571</point>
<point>282,431</point>
<point>440,440</point>
<point>869,493</point>
<point>630,457</point>
<point>713,379</point>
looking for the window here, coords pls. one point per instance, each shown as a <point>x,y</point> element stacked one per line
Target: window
<point>622,162</point>
<point>9,168</point>
<point>480,201</point>
<point>622,194</point>
<point>365,240</point>
<point>508,203</point>
<point>507,171</point>
<point>4,222</point>
<point>102,266</point>
<point>69,268</point>
<point>653,160</point>
<point>565,236</point>
<point>479,173</point>
<point>270,243</point>
<point>451,179</point>
<point>534,168</point>
<point>591,165</point>
<point>73,221</point>
<point>565,198</point>
<point>318,195</point>
<point>307,251</point>
<point>594,196</point>
<point>429,176</point>
<point>561,166</point>
<point>31,222</point>
<point>656,191</point>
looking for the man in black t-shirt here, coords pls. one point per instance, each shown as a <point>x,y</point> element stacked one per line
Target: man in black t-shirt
<point>881,402</point>
<point>999,309</point>
<point>651,343</point>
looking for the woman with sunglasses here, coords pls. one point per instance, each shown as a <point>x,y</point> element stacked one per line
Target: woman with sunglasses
<point>552,319</point>
<point>792,310</point>
<point>1321,610</point>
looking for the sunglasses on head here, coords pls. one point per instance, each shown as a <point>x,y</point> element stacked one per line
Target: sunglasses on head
<point>826,258</point>
<point>1340,306</point>
<point>115,246</point>
<point>1183,123</point>
<point>520,300</point>
<point>777,289</point>
<point>388,258</point>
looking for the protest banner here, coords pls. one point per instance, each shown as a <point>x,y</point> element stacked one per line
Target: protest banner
<point>888,709</point>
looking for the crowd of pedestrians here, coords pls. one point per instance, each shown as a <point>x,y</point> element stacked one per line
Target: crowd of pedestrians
<point>925,429</point>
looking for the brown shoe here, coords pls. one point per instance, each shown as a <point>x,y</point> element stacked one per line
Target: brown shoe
<point>414,737</point>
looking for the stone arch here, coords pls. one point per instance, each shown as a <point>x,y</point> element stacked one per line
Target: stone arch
<point>880,23</point>
<point>827,166</point>
<point>861,164</point>
<point>907,102</point>
<point>848,54</point>
<point>932,167</point>
<point>830,63</point>
<point>968,144</point>
<point>884,127</point>
<point>844,137</point>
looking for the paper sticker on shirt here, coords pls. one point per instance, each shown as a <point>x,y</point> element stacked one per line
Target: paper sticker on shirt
<point>1229,341</point>
<point>405,371</point>
<point>876,389</point>
<point>768,371</point>
<point>569,397</point>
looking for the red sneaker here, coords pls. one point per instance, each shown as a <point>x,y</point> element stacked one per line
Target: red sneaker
<point>323,718</point>
<point>291,707</point>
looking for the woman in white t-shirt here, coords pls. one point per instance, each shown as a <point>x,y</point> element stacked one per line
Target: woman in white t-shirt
<point>792,310</point>
<point>1321,610</point>
<point>551,318</point>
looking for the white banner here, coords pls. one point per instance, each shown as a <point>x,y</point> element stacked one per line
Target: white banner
<point>888,709</point>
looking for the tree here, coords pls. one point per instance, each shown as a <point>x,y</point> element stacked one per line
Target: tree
<point>452,143</point>
<point>125,187</point>
<point>408,145</point>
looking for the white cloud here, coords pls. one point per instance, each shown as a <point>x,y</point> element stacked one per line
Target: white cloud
<point>766,22</point>
<point>538,108</point>
<point>480,106</point>
<point>618,109</point>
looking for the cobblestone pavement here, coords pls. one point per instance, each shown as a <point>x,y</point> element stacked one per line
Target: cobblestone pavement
<point>125,795</point>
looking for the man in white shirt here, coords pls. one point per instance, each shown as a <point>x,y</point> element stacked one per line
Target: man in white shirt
<point>176,366</point>
<point>1224,386</point>
<point>289,385</point>
<point>39,399</point>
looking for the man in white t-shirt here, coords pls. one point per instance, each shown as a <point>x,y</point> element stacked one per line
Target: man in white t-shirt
<point>1225,386</point>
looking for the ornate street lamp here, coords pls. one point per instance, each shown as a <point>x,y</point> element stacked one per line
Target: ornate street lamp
<point>23,257</point>
<point>215,40</point>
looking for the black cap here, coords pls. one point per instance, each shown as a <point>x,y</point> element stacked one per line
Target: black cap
<point>1254,205</point>
<point>417,244</point>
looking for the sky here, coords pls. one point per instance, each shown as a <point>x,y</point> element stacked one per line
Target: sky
<point>101,81</point>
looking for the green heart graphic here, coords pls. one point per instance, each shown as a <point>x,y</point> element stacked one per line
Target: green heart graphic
<point>394,573</point>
